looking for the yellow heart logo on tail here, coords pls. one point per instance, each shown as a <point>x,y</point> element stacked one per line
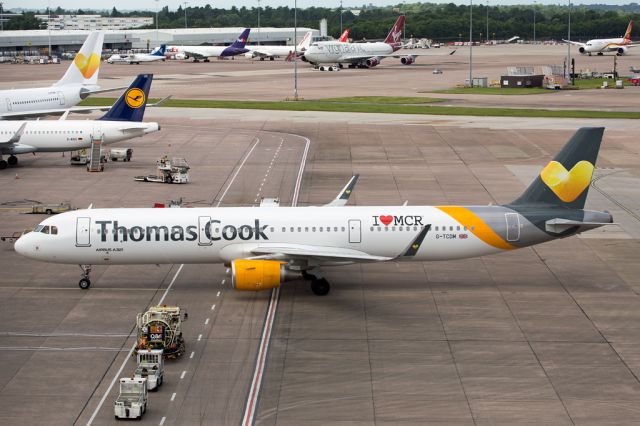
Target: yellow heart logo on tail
<point>87,66</point>
<point>567,185</point>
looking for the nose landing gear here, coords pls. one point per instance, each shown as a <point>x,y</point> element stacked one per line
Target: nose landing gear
<point>85,282</point>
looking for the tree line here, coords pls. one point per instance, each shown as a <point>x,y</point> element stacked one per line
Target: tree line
<point>442,22</point>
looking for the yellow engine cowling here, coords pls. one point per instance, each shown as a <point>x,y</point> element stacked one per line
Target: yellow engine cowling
<point>256,275</point>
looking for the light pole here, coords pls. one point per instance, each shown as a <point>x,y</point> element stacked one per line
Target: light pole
<point>535,3</point>
<point>470,43</point>
<point>185,14</point>
<point>1,17</point>
<point>49,25</point>
<point>487,33</point>
<point>340,18</point>
<point>569,45</point>
<point>157,1</point>
<point>258,22</point>
<point>295,50</point>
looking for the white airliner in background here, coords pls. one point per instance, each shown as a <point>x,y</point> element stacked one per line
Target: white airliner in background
<point>80,81</point>
<point>600,46</point>
<point>122,122</point>
<point>269,245</point>
<point>206,52</point>
<point>274,51</point>
<point>135,58</point>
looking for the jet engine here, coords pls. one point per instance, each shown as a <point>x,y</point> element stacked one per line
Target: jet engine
<point>256,275</point>
<point>582,50</point>
<point>407,60</point>
<point>181,56</point>
<point>622,50</point>
<point>372,62</point>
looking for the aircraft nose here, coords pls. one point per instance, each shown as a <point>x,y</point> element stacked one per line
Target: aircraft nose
<point>20,246</point>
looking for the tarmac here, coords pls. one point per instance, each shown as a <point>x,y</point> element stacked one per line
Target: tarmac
<point>548,334</point>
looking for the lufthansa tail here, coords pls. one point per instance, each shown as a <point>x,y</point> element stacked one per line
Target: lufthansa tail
<point>131,104</point>
<point>565,181</point>
<point>85,67</point>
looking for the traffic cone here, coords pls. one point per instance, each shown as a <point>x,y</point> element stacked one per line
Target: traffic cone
<point>17,177</point>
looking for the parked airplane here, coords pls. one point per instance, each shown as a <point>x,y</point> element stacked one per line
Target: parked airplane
<point>206,52</point>
<point>78,82</point>
<point>360,55</point>
<point>136,58</point>
<point>267,246</point>
<point>123,121</point>
<point>600,46</point>
<point>273,51</point>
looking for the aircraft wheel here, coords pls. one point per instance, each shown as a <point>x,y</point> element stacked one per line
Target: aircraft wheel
<point>3,165</point>
<point>13,160</point>
<point>320,287</point>
<point>84,283</point>
<point>262,59</point>
<point>272,58</point>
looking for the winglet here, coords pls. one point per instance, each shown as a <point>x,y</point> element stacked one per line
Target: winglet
<point>416,243</point>
<point>343,196</point>
<point>17,135</point>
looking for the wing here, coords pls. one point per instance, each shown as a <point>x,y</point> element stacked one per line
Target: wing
<point>194,53</point>
<point>575,43</point>
<point>263,54</point>
<point>15,138</point>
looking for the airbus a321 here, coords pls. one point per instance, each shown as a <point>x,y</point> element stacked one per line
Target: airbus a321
<point>266,246</point>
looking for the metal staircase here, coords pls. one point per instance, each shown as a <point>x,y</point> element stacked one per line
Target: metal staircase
<point>95,160</point>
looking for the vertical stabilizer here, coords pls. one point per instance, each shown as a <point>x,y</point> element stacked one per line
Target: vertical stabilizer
<point>565,181</point>
<point>86,65</point>
<point>394,37</point>
<point>131,104</point>
<point>627,34</point>
<point>242,40</point>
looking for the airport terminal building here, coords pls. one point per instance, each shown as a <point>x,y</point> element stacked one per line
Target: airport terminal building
<point>36,42</point>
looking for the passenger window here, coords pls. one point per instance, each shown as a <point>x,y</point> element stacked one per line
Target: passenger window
<point>335,229</point>
<point>299,229</point>
<point>343,229</point>
<point>451,228</point>
<point>371,229</point>
<point>473,228</point>
<point>306,229</point>
<point>284,229</point>
<point>320,229</point>
<point>465,228</point>
<point>313,229</point>
<point>291,229</point>
<point>457,228</point>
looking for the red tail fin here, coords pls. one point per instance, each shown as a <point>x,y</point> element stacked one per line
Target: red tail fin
<point>627,34</point>
<point>344,36</point>
<point>395,35</point>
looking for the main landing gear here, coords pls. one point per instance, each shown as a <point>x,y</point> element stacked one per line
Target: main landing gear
<point>11,161</point>
<point>319,285</point>
<point>85,282</point>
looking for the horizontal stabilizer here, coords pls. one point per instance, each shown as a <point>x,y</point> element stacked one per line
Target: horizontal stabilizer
<point>558,226</point>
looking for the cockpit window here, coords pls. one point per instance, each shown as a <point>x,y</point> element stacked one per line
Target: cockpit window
<point>314,44</point>
<point>45,230</point>
<point>54,230</point>
<point>38,228</point>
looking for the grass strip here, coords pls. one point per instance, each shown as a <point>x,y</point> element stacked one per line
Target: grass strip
<point>314,105</point>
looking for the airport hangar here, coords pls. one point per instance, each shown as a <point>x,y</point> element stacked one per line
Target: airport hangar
<point>13,42</point>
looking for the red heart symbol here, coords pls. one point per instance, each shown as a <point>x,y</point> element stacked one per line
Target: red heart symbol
<point>386,220</point>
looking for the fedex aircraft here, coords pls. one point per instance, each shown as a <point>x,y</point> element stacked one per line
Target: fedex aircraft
<point>269,245</point>
<point>206,52</point>
<point>136,58</point>
<point>80,81</point>
<point>601,46</point>
<point>272,52</point>
<point>360,55</point>
<point>122,122</point>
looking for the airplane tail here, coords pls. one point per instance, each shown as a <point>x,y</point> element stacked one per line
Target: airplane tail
<point>565,181</point>
<point>242,40</point>
<point>160,51</point>
<point>394,37</point>
<point>131,104</point>
<point>86,65</point>
<point>344,37</point>
<point>305,42</point>
<point>627,34</point>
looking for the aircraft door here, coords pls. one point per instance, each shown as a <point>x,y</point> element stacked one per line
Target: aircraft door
<point>8,104</point>
<point>203,223</point>
<point>83,232</point>
<point>60,97</point>
<point>355,231</point>
<point>513,226</point>
<point>96,135</point>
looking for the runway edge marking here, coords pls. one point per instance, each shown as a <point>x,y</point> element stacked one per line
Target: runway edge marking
<point>263,349</point>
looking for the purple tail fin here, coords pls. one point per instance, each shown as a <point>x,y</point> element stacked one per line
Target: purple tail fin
<point>242,40</point>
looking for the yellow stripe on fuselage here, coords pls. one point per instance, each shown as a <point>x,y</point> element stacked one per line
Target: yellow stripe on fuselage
<point>477,226</point>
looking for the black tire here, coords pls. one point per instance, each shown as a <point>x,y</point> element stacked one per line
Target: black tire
<point>3,164</point>
<point>84,283</point>
<point>320,287</point>
<point>12,160</point>
<point>49,212</point>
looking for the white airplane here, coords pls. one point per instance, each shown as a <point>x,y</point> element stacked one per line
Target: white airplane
<point>269,245</point>
<point>136,58</point>
<point>359,55</point>
<point>600,46</point>
<point>123,121</point>
<point>206,52</point>
<point>78,82</point>
<point>272,51</point>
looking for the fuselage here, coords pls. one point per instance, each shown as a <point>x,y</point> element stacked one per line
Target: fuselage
<point>341,52</point>
<point>604,45</point>
<point>207,51</point>
<point>217,235</point>
<point>43,98</point>
<point>69,135</point>
<point>134,58</point>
